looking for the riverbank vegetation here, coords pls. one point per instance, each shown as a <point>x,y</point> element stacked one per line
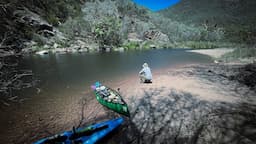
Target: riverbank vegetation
<point>246,54</point>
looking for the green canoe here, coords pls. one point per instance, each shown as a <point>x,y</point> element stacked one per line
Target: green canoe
<point>112,100</point>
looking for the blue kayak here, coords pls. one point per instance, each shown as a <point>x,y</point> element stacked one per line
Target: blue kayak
<point>86,135</point>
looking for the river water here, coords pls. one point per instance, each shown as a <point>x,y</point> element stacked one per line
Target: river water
<point>66,77</point>
<point>80,70</point>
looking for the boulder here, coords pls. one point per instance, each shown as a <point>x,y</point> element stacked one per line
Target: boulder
<point>152,46</point>
<point>46,46</point>
<point>105,48</point>
<point>43,52</point>
<point>133,37</point>
<point>59,50</point>
<point>46,33</point>
<point>156,36</point>
<point>81,50</point>
<point>45,26</point>
<point>26,17</point>
<point>55,45</point>
<point>121,49</point>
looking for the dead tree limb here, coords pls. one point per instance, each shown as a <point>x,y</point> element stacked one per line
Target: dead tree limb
<point>3,40</point>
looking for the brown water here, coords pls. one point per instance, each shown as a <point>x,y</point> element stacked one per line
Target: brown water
<point>65,79</point>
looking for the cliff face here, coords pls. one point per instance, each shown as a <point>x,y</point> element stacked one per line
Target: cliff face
<point>26,20</point>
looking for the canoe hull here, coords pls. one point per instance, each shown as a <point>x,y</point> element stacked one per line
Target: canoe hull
<point>119,108</point>
<point>85,135</point>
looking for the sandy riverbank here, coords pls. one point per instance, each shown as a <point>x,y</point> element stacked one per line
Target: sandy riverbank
<point>215,53</point>
<point>192,104</point>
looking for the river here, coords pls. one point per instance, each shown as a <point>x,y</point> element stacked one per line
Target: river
<point>66,78</point>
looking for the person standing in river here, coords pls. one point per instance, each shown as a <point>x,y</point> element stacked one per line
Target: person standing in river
<point>145,74</point>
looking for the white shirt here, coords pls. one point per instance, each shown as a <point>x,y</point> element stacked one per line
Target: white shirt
<point>147,72</point>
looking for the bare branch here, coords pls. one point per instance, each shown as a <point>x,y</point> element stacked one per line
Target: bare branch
<point>4,6</point>
<point>3,40</point>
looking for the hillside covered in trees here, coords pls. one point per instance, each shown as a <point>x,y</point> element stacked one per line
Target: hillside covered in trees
<point>94,24</point>
<point>235,17</point>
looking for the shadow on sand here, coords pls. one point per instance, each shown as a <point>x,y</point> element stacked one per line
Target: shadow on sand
<point>181,118</point>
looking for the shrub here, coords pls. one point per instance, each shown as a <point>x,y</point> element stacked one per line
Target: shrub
<point>241,53</point>
<point>107,32</point>
<point>76,27</point>
<point>131,45</point>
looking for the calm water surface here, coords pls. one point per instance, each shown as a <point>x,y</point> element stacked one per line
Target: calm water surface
<point>67,77</point>
<point>77,71</point>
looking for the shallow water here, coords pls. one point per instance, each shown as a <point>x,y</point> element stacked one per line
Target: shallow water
<point>65,79</point>
<point>76,71</point>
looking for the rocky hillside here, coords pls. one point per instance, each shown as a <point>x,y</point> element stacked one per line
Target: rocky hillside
<point>237,17</point>
<point>121,24</point>
<point>32,20</point>
<point>88,25</point>
<point>113,24</point>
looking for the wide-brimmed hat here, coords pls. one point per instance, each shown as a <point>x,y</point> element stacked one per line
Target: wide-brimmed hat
<point>145,65</point>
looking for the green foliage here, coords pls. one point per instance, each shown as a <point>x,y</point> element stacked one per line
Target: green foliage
<point>242,34</point>
<point>28,33</point>
<point>63,44</point>
<point>37,48</point>
<point>126,7</point>
<point>131,45</point>
<point>202,44</point>
<point>39,39</point>
<point>230,20</point>
<point>178,32</point>
<point>147,44</point>
<point>56,11</point>
<point>107,32</point>
<point>74,27</point>
<point>52,19</point>
<point>241,53</point>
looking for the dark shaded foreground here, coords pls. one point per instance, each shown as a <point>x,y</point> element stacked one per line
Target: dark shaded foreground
<point>180,118</point>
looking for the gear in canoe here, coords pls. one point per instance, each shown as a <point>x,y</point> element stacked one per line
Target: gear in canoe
<point>87,135</point>
<point>110,98</point>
